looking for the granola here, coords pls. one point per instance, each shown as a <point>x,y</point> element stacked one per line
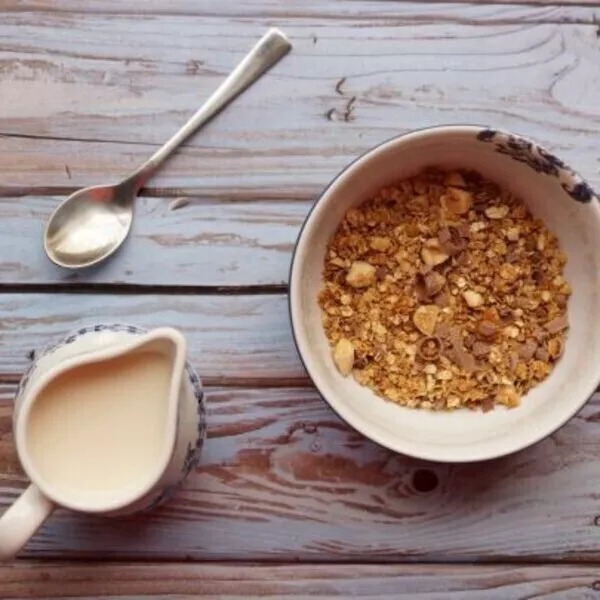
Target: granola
<point>445,292</point>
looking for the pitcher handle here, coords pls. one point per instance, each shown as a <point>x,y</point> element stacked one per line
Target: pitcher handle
<point>22,520</point>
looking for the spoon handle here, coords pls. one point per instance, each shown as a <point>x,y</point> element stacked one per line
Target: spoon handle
<point>273,46</point>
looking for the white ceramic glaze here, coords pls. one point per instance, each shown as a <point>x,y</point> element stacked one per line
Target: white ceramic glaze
<point>185,430</point>
<point>553,192</point>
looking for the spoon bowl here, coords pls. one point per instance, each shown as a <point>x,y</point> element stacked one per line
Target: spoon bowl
<point>89,225</point>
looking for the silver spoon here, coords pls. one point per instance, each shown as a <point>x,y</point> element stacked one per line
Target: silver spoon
<point>93,222</point>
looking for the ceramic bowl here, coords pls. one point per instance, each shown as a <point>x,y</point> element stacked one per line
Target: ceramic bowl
<point>553,192</point>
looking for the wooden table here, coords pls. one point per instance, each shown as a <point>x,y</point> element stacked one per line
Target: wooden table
<point>288,502</point>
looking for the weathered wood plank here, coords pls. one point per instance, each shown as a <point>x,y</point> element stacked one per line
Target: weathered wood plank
<point>282,478</point>
<point>244,338</point>
<point>98,91</point>
<point>25,581</point>
<point>207,242</point>
<point>317,9</point>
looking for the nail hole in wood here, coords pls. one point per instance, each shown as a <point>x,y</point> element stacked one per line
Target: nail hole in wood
<point>597,521</point>
<point>424,480</point>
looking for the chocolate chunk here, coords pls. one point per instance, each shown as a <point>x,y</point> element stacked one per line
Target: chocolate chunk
<point>527,349</point>
<point>481,349</point>
<point>442,330</point>
<point>464,230</point>
<point>429,348</point>
<point>487,404</point>
<point>442,300</point>
<point>451,241</point>
<point>456,351</point>
<point>487,329</point>
<point>464,360</point>
<point>561,300</point>
<point>557,324</point>
<point>462,259</point>
<point>470,340</point>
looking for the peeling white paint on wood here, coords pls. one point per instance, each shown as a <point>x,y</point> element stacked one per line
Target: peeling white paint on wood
<point>208,242</point>
<point>87,92</point>
<point>100,90</point>
<point>242,338</point>
<point>282,478</point>
<point>28,580</point>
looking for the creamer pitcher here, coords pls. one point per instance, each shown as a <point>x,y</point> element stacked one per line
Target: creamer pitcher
<point>108,421</point>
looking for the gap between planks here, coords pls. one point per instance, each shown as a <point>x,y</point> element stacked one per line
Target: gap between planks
<point>166,560</point>
<point>205,193</point>
<point>233,383</point>
<point>141,289</point>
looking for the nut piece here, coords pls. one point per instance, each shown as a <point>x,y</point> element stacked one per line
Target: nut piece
<point>361,274</point>
<point>473,299</point>
<point>457,201</point>
<point>511,331</point>
<point>508,396</point>
<point>343,356</point>
<point>425,318</point>
<point>509,271</point>
<point>453,401</point>
<point>512,235</point>
<point>555,348</point>
<point>337,262</point>
<point>432,254</point>
<point>455,179</point>
<point>430,284</point>
<point>496,212</point>
<point>380,244</point>
<point>445,375</point>
<point>540,369</point>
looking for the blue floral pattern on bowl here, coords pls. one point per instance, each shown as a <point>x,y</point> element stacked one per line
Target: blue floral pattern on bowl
<point>540,160</point>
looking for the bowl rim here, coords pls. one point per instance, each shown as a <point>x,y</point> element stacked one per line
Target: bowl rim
<point>338,408</point>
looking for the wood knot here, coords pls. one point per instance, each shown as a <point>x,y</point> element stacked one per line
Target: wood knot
<point>309,428</point>
<point>424,480</point>
<point>596,586</point>
<point>193,66</point>
<point>597,521</point>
